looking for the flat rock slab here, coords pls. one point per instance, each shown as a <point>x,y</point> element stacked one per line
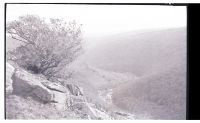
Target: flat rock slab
<point>54,86</point>
<point>60,100</point>
<point>26,84</point>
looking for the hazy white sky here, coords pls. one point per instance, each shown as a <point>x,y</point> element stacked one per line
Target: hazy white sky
<point>106,19</point>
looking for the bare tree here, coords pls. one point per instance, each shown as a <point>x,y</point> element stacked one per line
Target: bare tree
<point>46,47</point>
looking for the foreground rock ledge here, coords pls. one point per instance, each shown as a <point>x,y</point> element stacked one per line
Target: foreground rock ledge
<point>26,84</point>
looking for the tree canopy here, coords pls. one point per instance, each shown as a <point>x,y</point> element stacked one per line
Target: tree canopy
<point>47,46</point>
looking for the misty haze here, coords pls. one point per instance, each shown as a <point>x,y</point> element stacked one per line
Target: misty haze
<point>95,62</point>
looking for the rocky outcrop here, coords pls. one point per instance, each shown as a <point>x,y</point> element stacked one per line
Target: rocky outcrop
<point>54,86</point>
<point>75,90</point>
<point>82,108</point>
<point>59,99</point>
<point>9,73</point>
<point>71,100</point>
<point>64,98</point>
<point>25,84</point>
<point>89,111</point>
<point>28,85</point>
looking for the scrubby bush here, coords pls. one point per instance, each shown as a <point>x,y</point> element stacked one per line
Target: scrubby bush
<point>47,46</point>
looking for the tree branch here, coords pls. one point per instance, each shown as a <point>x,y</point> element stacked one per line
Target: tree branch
<point>27,41</point>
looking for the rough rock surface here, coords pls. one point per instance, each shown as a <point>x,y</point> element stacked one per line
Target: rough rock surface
<point>34,92</point>
<point>25,84</point>
<point>87,111</point>
<point>59,99</point>
<point>71,99</point>
<point>54,86</point>
<point>9,72</point>
<point>74,90</point>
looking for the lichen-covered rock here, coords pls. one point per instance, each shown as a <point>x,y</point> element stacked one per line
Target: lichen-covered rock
<point>59,99</point>
<point>54,86</point>
<point>84,110</point>
<point>71,100</point>
<point>74,90</point>
<point>9,73</point>
<point>26,84</point>
<point>63,99</point>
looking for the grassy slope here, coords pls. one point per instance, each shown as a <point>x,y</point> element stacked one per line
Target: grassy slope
<point>160,95</point>
<point>26,108</point>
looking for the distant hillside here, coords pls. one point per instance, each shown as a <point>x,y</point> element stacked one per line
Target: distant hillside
<point>158,59</point>
<point>140,53</point>
<point>162,95</point>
